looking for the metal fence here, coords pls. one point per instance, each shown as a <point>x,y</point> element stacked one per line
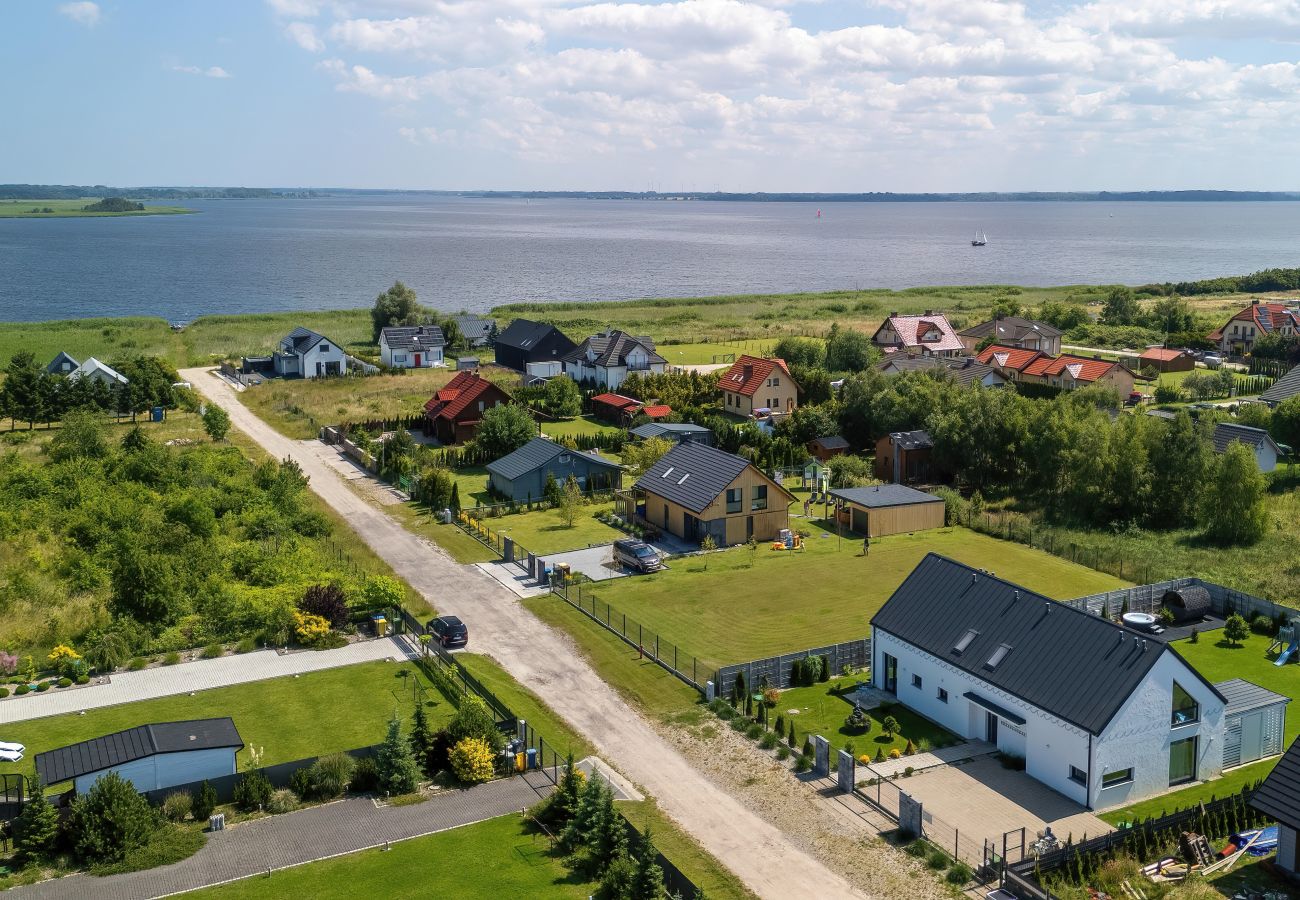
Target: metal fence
<point>886,795</point>
<point>648,642</point>
<point>452,678</point>
<point>778,670</point>
<point>1147,597</point>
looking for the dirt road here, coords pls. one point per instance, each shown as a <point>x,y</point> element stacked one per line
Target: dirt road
<point>760,855</point>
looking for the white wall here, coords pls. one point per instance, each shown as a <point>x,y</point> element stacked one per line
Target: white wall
<point>1048,745</point>
<point>405,359</point>
<point>165,770</point>
<point>1266,457</point>
<point>316,355</point>
<point>1140,735</point>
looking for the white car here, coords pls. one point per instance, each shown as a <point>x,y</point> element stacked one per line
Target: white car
<point>11,756</point>
<point>16,748</point>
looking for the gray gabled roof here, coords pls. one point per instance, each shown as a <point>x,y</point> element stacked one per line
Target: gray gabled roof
<point>658,429</point>
<point>831,442</point>
<point>1285,387</point>
<point>1225,433</point>
<point>537,453</point>
<point>475,328</point>
<point>1011,328</point>
<point>140,742</point>
<point>611,348</point>
<point>93,366</point>
<point>1243,696</point>
<point>879,496</point>
<point>524,334</point>
<point>965,370</point>
<point>1279,795</point>
<point>413,337</point>
<point>1076,666</point>
<point>692,475</point>
<point>911,440</point>
<point>55,367</point>
<point>303,339</point>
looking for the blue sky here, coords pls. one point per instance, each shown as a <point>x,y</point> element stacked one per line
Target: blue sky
<point>883,95</point>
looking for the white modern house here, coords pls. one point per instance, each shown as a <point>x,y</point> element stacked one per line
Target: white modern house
<point>606,359</point>
<point>1258,440</point>
<point>309,355</point>
<point>1100,713</point>
<point>411,346</point>
<point>94,370</point>
<point>151,757</point>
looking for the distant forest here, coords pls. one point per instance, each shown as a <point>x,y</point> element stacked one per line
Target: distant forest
<point>878,197</point>
<point>76,192</point>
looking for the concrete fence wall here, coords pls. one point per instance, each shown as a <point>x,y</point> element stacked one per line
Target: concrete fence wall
<point>1147,597</point>
<point>777,669</point>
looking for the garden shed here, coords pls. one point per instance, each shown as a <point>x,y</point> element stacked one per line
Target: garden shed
<point>1188,604</point>
<point>888,509</point>
<point>1254,721</point>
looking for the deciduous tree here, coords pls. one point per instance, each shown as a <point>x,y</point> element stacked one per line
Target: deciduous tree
<point>504,429</point>
<point>395,306</point>
<point>1232,506</point>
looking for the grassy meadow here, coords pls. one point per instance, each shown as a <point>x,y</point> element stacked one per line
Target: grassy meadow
<point>67,209</point>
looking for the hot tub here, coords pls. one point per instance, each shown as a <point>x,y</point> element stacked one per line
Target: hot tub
<point>1139,620</point>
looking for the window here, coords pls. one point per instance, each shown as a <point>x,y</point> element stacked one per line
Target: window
<point>728,399</point>
<point>564,459</point>
<point>1114,779</point>
<point>774,382</point>
<point>399,357</point>
<point>1078,776</point>
<point>1182,761</point>
<point>324,348</point>
<point>916,681</point>
<point>759,497</point>
<point>998,655</point>
<point>943,696</point>
<point>1186,710</point>
<point>735,499</point>
<point>480,406</point>
<point>961,645</point>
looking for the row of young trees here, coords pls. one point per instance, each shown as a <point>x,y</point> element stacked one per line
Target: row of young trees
<point>32,395</point>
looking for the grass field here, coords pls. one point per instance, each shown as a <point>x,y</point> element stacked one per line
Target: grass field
<point>544,531</point>
<point>67,209</point>
<point>723,610</point>
<point>712,353</point>
<point>282,717</point>
<point>579,426</point>
<point>818,710</point>
<point>1217,661</point>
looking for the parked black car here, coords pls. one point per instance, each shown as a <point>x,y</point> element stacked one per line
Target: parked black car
<point>637,555</point>
<point>449,631</point>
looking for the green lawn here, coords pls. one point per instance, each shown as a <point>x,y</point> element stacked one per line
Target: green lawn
<point>544,531</point>
<point>282,717</point>
<point>67,209</point>
<point>712,353</point>
<point>1213,658</point>
<point>820,711</point>
<point>725,611</point>
<point>299,407</point>
<point>496,858</point>
<point>579,426</point>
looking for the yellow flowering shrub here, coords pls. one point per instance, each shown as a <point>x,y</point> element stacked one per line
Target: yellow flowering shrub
<point>471,760</point>
<point>895,754</point>
<point>63,658</point>
<point>310,630</point>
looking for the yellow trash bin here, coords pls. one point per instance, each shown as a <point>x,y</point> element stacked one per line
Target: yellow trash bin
<point>381,625</point>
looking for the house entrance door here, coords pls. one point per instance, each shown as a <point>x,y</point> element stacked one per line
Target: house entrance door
<point>749,528</point>
<point>417,360</point>
<point>891,674</point>
<point>991,728</point>
<point>690,527</point>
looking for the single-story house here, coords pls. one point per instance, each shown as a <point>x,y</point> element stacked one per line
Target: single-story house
<point>521,475</point>
<point>882,509</point>
<point>151,757</point>
<point>677,432</point>
<point>695,489</point>
<point>1238,334</point>
<point>1279,797</point>
<point>1258,440</point>
<point>606,359</point>
<point>1165,360</point>
<point>965,370</point>
<point>532,348</point>
<point>1284,388</point>
<point>755,383</point>
<point>1102,714</point>
<point>452,415</point>
<point>828,446</point>
<point>309,355</point>
<point>1072,372</point>
<point>411,346</point>
<point>928,335</point>
<point>475,331</point>
<point>63,364</point>
<point>615,408</point>
<point>905,456</point>
<point>1014,331</point>
<point>94,370</point>
<point>1009,362</point>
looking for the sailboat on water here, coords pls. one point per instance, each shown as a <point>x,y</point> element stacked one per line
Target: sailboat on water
<point>980,239</point>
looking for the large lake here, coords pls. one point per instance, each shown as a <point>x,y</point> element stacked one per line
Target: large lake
<point>252,255</point>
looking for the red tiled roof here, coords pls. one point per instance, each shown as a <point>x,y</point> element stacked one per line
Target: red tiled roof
<point>658,411</point>
<point>1160,354</point>
<point>739,381</point>
<point>618,401</point>
<point>1078,368</point>
<point>1268,317</point>
<point>911,330</point>
<point>1008,357</point>
<point>459,393</point>
<point>1038,366</point>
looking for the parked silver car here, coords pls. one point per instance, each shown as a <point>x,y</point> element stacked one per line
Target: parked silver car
<point>637,555</point>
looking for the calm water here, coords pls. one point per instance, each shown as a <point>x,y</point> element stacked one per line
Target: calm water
<point>251,255</point>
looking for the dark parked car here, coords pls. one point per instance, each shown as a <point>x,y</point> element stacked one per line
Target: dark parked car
<point>637,555</point>
<point>449,631</point>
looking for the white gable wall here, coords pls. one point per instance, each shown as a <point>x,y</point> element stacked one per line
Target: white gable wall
<point>322,356</point>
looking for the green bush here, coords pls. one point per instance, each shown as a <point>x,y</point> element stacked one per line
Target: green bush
<point>1262,624</point>
<point>783,752</point>
<point>769,740</point>
<point>43,686</point>
<point>204,802</point>
<point>4,692</point>
<point>213,651</point>
<point>365,777</point>
<point>803,763</point>
<point>252,792</point>
<point>300,783</point>
<point>937,860</point>
<point>959,874</point>
<point>918,848</point>
<point>177,806</point>
<point>171,659</point>
<point>110,820</point>
<point>247,645</point>
<point>1195,637</point>
<point>22,689</point>
<point>754,732</point>
<point>281,801</point>
<point>83,679</point>
<point>137,664</point>
<point>740,724</point>
<point>65,681</point>
<point>330,775</point>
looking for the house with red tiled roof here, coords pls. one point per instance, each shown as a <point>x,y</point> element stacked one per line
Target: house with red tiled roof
<point>1241,332</point>
<point>755,383</point>
<point>1010,362</point>
<point>1072,372</point>
<point>927,335</point>
<point>452,415</point>
<point>622,410</point>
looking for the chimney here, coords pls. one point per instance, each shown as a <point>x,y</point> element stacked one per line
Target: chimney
<point>894,312</point>
<point>929,312</point>
<point>749,371</point>
<point>1254,301</point>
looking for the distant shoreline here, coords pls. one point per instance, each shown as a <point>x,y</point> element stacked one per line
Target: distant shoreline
<point>74,209</point>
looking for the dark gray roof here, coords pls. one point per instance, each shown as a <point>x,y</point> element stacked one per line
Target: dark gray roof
<point>140,742</point>
<point>1243,696</point>
<point>879,496</point>
<point>965,370</point>
<point>1166,414</point>
<point>413,337</point>
<point>1010,328</point>
<point>1279,795</point>
<point>1078,667</point>
<point>911,440</point>
<point>303,339</point>
<point>1227,432</point>
<point>54,368</point>
<point>658,429</point>
<point>537,453</point>
<point>1286,386</point>
<point>475,328</point>
<point>692,475</point>
<point>611,349</point>
<point>524,334</point>
<point>831,442</point>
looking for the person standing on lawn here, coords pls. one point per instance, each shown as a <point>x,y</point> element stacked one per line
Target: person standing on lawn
<point>866,544</point>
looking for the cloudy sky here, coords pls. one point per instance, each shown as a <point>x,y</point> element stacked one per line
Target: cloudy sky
<point>838,95</point>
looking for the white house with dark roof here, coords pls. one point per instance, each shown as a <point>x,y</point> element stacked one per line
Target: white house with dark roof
<point>306,354</point>
<point>607,359</point>
<point>94,370</point>
<point>1258,440</point>
<point>63,364</point>
<point>411,346</point>
<point>1100,713</point>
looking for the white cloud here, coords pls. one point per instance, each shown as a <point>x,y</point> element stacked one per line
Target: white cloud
<point>209,72</point>
<point>304,35</point>
<point>295,9</point>
<point>84,13</point>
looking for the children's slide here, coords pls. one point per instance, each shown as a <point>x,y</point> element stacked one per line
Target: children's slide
<point>1285,655</point>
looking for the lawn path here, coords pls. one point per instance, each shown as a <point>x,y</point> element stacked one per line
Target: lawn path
<point>758,853</point>
<point>202,675</point>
